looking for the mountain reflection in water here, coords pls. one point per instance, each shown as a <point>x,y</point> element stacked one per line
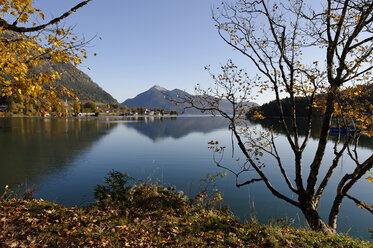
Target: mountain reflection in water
<point>159,128</point>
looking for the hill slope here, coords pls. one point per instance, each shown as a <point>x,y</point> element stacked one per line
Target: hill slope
<point>71,78</point>
<point>270,109</point>
<point>81,83</point>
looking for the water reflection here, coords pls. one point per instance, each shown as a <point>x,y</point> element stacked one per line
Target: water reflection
<point>272,123</point>
<point>31,147</point>
<point>160,128</point>
<point>32,150</point>
<point>351,219</point>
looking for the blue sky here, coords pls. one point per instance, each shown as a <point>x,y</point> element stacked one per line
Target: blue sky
<point>148,42</point>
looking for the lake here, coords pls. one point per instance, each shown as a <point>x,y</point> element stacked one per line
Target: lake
<point>65,158</point>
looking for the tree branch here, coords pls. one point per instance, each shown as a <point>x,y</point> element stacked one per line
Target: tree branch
<point>360,203</point>
<point>13,27</point>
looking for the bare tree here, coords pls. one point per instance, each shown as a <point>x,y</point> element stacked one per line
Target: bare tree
<point>274,36</point>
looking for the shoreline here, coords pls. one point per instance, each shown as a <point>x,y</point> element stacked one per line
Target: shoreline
<point>144,223</point>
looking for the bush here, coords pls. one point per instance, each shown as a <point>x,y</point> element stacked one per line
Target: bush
<point>116,187</point>
<point>155,197</point>
<point>90,107</point>
<point>144,196</point>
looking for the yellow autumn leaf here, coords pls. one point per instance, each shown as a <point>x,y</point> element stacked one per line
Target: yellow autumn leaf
<point>19,57</point>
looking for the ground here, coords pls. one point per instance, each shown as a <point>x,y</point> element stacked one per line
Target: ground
<point>141,222</point>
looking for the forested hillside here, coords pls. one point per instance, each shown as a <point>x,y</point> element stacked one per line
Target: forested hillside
<point>81,83</point>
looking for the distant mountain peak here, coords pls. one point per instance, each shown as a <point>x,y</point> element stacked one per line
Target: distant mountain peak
<point>155,97</point>
<point>159,88</point>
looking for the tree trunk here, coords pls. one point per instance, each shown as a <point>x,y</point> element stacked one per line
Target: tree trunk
<point>335,211</point>
<point>315,222</point>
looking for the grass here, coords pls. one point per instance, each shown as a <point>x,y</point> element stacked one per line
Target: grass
<point>152,216</point>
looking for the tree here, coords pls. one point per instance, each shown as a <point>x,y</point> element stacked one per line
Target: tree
<point>134,110</point>
<point>141,110</point>
<point>25,46</point>
<point>273,36</point>
<point>12,107</point>
<point>76,107</point>
<point>114,106</point>
<point>90,107</point>
<point>125,109</point>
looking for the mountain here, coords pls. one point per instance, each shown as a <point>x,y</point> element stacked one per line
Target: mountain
<point>152,98</point>
<point>71,78</point>
<point>81,83</point>
<point>158,97</point>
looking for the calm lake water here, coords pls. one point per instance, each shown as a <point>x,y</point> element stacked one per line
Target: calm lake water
<point>65,158</point>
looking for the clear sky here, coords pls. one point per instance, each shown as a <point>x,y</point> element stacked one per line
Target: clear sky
<point>148,42</point>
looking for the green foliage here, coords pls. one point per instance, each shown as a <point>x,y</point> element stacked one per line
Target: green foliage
<point>89,107</point>
<point>114,105</point>
<point>301,105</point>
<point>141,110</point>
<point>301,108</point>
<point>116,187</point>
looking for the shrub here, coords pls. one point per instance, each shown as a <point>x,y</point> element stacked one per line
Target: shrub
<point>116,187</point>
<point>155,197</point>
<point>144,196</point>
